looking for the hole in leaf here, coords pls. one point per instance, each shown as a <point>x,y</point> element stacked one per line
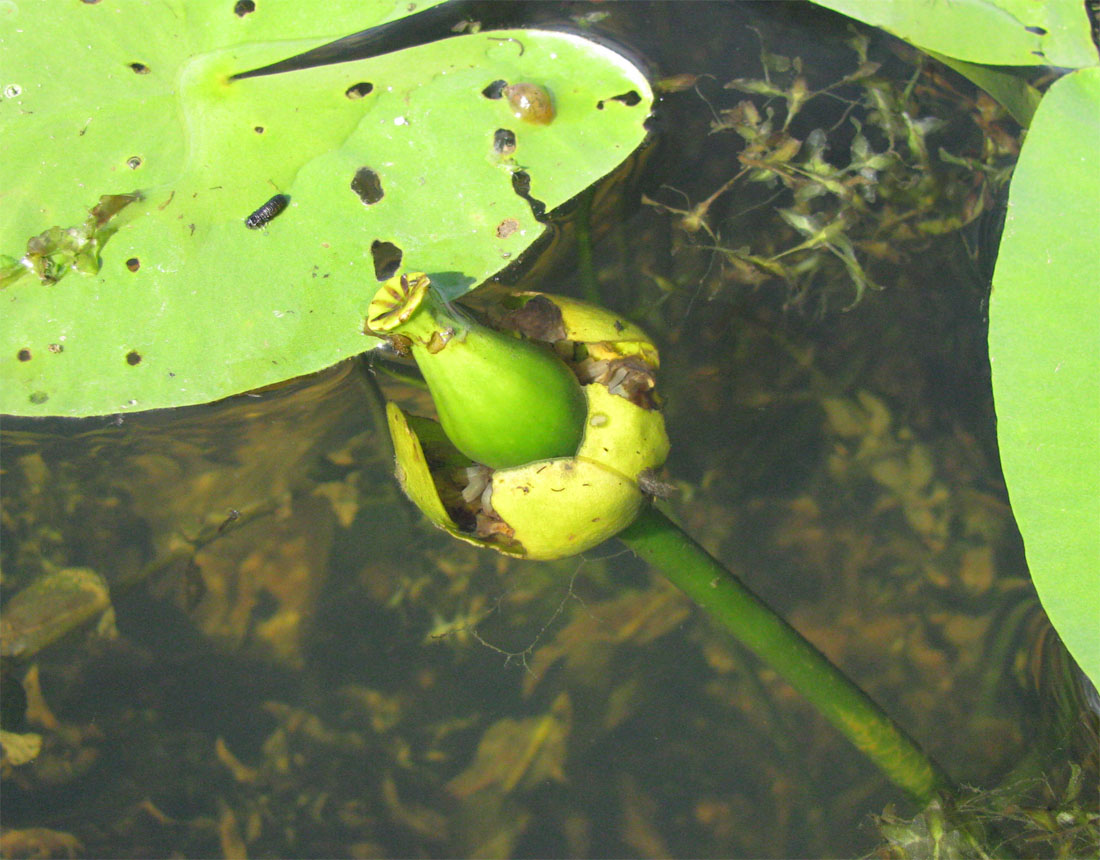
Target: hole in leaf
<point>91,2</point>
<point>24,354</point>
<point>367,185</point>
<point>387,259</point>
<point>521,184</point>
<point>133,357</point>
<point>504,141</point>
<point>357,91</point>
<point>133,264</point>
<point>629,98</point>
<point>39,397</point>
<point>495,90</point>
<point>139,68</point>
<point>259,129</point>
<point>133,162</point>
<point>243,7</point>
<point>1038,31</point>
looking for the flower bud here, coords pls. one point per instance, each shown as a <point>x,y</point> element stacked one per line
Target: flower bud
<point>558,505</point>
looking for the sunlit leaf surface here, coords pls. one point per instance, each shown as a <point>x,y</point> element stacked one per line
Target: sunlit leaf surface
<point>997,32</point>
<point>173,299</point>
<point>1044,346</point>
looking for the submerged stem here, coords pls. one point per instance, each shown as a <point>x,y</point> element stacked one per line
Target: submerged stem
<point>583,226</point>
<point>659,541</point>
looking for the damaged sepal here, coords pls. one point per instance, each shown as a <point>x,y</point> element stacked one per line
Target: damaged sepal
<point>557,506</point>
<point>421,449</point>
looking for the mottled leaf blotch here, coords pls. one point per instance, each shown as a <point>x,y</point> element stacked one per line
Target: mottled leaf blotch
<point>271,209</point>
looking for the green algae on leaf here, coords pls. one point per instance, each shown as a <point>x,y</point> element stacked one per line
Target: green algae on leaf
<point>184,303</point>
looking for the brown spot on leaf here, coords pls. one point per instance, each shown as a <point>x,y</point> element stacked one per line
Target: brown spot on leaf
<point>507,227</point>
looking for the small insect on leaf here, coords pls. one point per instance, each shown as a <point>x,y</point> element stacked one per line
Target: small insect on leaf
<point>271,209</point>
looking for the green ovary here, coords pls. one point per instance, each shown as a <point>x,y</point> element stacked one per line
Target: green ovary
<point>502,401</point>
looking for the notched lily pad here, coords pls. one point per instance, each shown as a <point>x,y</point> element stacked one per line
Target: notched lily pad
<point>400,151</point>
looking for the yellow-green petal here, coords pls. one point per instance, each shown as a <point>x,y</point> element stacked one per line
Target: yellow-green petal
<point>562,507</point>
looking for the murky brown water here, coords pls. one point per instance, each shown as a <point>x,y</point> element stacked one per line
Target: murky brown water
<point>298,665</point>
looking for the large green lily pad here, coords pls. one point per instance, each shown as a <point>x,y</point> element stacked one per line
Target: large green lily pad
<point>996,32</point>
<point>173,300</point>
<point>1044,348</point>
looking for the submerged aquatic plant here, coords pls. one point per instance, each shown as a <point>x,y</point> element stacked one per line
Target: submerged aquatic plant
<point>855,201</point>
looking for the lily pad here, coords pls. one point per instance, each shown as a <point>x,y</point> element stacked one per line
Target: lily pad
<point>995,32</point>
<point>171,299</point>
<point>1044,348</point>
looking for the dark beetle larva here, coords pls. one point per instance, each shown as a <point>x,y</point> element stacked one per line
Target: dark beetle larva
<point>265,213</point>
<point>530,103</point>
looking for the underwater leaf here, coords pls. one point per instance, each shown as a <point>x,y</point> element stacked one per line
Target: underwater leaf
<point>995,32</point>
<point>514,753</point>
<point>1005,85</point>
<point>341,170</point>
<point>1044,348</point>
<point>1008,86</point>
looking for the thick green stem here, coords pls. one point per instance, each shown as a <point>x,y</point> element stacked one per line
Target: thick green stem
<point>583,226</point>
<point>662,543</point>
